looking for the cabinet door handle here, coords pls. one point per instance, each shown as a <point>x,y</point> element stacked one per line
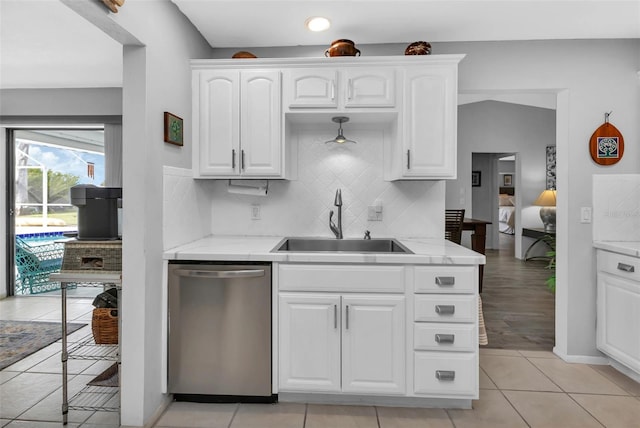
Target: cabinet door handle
<point>350,89</point>
<point>347,317</point>
<point>242,159</point>
<point>448,375</point>
<point>335,316</point>
<point>445,338</point>
<point>333,90</point>
<point>445,309</point>
<point>408,159</point>
<point>444,281</point>
<point>625,267</point>
<point>233,158</point>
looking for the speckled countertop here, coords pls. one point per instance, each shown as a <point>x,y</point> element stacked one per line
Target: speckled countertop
<point>259,248</point>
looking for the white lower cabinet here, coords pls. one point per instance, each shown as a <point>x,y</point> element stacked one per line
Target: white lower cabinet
<point>445,332</point>
<point>378,331</point>
<point>618,308</point>
<point>342,343</point>
<point>446,374</point>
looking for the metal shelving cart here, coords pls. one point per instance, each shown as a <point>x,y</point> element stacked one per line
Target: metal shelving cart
<point>98,398</point>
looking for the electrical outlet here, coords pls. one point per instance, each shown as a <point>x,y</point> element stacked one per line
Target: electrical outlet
<point>374,213</point>
<point>255,211</point>
<point>585,215</point>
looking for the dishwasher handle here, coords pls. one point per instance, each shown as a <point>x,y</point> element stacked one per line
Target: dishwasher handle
<point>194,273</point>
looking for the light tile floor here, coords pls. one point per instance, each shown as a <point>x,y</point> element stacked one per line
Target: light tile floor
<point>517,389</point>
<point>31,389</point>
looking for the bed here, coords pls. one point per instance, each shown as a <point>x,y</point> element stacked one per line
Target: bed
<point>506,211</point>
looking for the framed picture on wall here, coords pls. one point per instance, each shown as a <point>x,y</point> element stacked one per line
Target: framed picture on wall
<point>173,129</point>
<point>476,177</point>
<point>508,180</point>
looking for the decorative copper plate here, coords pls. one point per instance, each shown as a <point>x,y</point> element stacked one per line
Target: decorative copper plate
<point>606,144</point>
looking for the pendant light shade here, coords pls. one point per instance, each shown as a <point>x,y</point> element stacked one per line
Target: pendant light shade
<point>340,138</point>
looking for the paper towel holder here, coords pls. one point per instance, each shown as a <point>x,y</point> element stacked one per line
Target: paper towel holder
<point>249,185</point>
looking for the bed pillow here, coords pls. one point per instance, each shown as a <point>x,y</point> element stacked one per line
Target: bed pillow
<point>505,200</point>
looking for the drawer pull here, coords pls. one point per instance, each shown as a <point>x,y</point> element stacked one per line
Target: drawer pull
<point>448,375</point>
<point>445,309</point>
<point>625,267</point>
<point>444,281</point>
<point>445,338</point>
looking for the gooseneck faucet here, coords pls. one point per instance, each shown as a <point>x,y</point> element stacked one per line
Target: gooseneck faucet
<point>337,230</point>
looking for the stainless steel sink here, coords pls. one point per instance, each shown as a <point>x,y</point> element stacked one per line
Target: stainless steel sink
<point>341,245</point>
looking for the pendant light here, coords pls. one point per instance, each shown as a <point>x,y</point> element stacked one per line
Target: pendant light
<point>340,139</point>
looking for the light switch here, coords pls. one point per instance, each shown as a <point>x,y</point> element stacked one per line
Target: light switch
<point>255,211</point>
<point>585,215</point>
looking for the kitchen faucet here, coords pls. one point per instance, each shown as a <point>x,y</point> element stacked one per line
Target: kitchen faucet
<point>337,230</point>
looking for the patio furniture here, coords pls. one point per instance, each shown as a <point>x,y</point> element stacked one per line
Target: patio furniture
<point>34,263</point>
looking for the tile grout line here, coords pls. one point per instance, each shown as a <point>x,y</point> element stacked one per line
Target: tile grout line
<point>453,423</point>
<point>235,412</point>
<point>304,420</point>
<point>588,412</point>
<point>515,409</point>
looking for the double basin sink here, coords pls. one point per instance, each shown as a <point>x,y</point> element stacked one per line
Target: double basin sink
<point>341,245</point>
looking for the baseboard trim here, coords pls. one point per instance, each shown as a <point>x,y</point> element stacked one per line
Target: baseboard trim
<point>153,420</point>
<point>364,400</point>
<point>581,359</point>
<point>625,370</point>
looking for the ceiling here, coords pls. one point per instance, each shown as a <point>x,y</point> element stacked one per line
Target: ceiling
<point>247,23</point>
<point>43,43</point>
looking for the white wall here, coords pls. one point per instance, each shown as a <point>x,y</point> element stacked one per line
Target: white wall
<point>497,127</point>
<point>156,78</point>
<point>301,207</point>
<point>585,92</point>
<point>482,200</point>
<point>60,102</point>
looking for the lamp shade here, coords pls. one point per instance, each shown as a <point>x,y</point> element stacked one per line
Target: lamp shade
<point>546,199</point>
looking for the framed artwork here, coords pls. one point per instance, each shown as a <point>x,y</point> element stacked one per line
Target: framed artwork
<point>173,129</point>
<point>551,167</point>
<point>508,180</point>
<point>476,177</point>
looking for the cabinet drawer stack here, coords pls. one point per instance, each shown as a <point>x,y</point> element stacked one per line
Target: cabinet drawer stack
<point>445,335</point>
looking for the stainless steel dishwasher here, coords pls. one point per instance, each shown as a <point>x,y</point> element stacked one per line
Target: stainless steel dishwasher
<point>220,332</point>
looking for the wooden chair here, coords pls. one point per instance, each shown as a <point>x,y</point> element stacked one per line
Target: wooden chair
<point>453,225</point>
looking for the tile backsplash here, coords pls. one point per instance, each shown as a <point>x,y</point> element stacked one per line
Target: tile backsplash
<point>616,207</point>
<point>301,206</point>
<point>186,207</point>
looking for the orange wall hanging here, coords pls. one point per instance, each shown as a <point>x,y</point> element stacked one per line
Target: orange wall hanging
<point>606,144</point>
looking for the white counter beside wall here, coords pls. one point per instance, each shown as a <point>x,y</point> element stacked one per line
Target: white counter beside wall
<point>405,354</point>
<point>616,232</point>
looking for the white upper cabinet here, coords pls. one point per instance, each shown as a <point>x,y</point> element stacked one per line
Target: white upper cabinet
<point>428,146</point>
<point>340,88</point>
<point>237,124</point>
<point>245,112</point>
<point>311,88</point>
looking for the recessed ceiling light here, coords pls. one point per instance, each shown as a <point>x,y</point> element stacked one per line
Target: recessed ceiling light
<point>317,23</point>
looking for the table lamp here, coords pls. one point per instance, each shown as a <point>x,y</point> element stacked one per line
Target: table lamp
<point>547,200</point>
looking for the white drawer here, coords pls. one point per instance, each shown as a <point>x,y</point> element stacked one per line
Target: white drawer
<point>341,278</point>
<point>445,337</point>
<point>442,374</point>
<point>446,308</point>
<point>619,264</point>
<point>445,279</point>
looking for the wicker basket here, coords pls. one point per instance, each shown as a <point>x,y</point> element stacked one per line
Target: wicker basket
<point>104,325</point>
